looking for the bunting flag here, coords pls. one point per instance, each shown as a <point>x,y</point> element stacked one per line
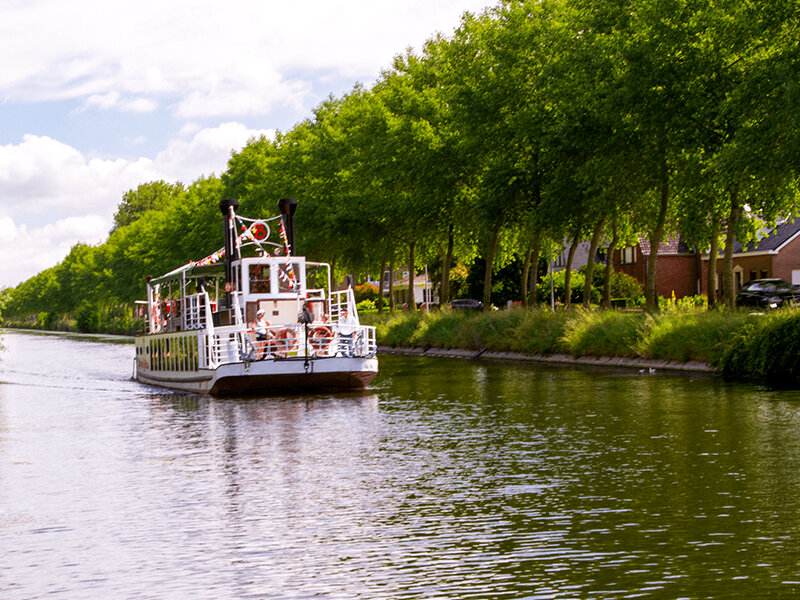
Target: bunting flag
<point>212,258</point>
<point>287,274</point>
<point>256,233</point>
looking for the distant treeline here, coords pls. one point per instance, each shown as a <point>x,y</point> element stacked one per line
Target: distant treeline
<point>534,123</point>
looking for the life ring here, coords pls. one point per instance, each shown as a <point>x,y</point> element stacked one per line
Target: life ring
<point>286,340</point>
<point>320,337</point>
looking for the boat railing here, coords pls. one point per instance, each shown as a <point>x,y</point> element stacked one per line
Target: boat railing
<point>194,311</point>
<point>341,301</point>
<point>232,344</point>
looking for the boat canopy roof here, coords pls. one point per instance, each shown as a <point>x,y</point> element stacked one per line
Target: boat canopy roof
<point>192,270</point>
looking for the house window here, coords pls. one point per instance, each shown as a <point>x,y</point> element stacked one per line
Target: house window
<point>628,255</point>
<point>764,275</point>
<point>560,260</point>
<point>753,275</point>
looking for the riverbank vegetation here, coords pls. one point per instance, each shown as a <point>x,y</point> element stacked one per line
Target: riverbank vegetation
<point>480,153</point>
<point>741,345</point>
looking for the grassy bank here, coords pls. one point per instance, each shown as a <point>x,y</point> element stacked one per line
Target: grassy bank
<point>742,345</point>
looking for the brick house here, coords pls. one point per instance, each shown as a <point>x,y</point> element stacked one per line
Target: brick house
<point>776,254</point>
<point>678,270</point>
<point>683,271</point>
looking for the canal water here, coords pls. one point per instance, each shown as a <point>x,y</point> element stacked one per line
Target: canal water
<point>446,479</point>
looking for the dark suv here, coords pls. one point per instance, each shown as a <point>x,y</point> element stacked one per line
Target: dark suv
<point>466,304</point>
<point>768,293</point>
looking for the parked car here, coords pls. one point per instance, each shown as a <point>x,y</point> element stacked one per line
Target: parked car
<point>768,293</point>
<point>466,304</point>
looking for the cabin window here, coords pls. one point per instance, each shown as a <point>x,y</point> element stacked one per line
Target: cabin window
<point>259,279</point>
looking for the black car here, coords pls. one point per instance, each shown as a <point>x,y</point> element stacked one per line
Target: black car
<point>466,304</point>
<point>768,293</point>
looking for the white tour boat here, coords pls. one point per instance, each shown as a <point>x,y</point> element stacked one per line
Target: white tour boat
<point>254,318</point>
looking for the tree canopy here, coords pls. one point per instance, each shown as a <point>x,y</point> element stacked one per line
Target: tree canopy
<point>536,124</point>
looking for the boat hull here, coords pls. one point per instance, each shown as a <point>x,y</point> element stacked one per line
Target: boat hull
<point>269,377</point>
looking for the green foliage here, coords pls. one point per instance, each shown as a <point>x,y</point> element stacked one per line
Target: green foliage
<point>534,120</point>
<point>742,345</point>
<point>604,333</point>
<point>367,305</point>
<point>366,291</point>
<point>765,348</point>
<point>684,336</point>
<point>88,318</point>
<point>148,196</point>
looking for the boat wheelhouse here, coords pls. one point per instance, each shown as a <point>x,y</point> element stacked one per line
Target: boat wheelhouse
<point>253,318</point>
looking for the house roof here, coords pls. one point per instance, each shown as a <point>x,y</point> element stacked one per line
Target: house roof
<point>673,245</point>
<point>774,239</point>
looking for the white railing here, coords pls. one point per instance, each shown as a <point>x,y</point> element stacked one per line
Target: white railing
<point>194,311</point>
<point>234,344</point>
<point>343,300</point>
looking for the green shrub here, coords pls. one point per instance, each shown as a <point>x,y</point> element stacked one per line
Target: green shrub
<point>365,291</point>
<point>87,318</point>
<point>559,277</point>
<point>365,306</point>
<point>767,350</point>
<point>603,333</point>
<point>621,286</point>
<point>700,336</point>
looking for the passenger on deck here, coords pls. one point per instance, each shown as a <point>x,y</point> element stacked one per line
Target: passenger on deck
<point>347,329</point>
<point>263,333</point>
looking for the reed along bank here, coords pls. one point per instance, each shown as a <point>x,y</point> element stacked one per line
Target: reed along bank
<point>763,347</point>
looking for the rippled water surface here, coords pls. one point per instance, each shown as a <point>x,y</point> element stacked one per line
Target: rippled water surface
<point>446,479</point>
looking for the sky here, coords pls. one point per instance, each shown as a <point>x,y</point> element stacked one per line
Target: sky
<point>99,96</point>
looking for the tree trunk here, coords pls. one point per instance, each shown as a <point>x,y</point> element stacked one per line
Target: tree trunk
<point>391,284</point>
<point>651,291</point>
<point>411,304</point>
<point>609,271</point>
<point>711,276</point>
<point>526,267</point>
<point>568,271</point>
<point>531,258</point>
<point>487,279</point>
<point>448,260</point>
<point>728,288</point>
<point>380,286</point>
<point>587,286</point>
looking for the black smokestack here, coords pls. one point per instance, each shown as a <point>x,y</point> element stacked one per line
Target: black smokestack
<point>287,206</point>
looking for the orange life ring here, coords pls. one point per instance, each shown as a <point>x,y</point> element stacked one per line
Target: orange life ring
<point>320,337</point>
<point>286,340</point>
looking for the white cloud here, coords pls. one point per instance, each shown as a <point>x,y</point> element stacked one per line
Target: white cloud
<point>209,59</point>
<point>42,178</point>
<point>27,251</point>
<point>52,196</point>
<point>206,152</point>
<point>113,100</point>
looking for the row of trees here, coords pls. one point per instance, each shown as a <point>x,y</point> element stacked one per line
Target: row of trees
<point>536,122</point>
